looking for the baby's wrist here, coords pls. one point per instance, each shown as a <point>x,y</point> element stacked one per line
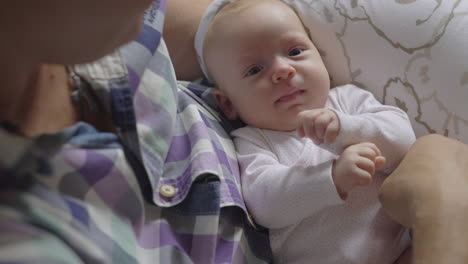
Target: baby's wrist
<point>343,195</point>
<point>339,189</point>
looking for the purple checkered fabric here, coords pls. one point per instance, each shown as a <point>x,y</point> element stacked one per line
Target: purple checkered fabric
<point>163,189</point>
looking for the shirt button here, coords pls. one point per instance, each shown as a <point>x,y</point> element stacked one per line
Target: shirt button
<point>168,190</point>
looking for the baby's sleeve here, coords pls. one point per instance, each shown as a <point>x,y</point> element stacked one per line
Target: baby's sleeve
<point>364,119</point>
<point>278,195</point>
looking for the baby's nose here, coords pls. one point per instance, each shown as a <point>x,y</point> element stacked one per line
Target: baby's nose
<point>283,72</point>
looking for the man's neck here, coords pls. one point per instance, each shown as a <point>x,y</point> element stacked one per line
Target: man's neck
<point>16,78</point>
<point>35,98</point>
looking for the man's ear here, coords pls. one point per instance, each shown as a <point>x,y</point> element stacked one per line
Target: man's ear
<point>225,104</point>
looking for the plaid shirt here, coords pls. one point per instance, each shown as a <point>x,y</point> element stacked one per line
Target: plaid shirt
<point>163,189</point>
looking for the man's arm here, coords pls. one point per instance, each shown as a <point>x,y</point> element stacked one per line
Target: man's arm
<point>428,193</point>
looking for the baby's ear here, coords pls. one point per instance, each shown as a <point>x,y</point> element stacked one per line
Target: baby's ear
<point>225,104</point>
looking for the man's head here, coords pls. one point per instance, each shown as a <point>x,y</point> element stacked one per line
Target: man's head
<point>267,69</point>
<point>69,31</point>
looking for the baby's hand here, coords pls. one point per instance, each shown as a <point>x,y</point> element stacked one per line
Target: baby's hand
<point>356,167</point>
<point>320,125</point>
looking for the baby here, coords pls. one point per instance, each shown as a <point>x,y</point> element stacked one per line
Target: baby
<point>312,158</point>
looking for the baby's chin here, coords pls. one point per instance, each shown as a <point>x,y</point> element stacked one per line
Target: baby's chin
<point>283,127</point>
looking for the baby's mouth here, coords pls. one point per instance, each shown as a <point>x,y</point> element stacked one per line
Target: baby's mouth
<point>290,96</point>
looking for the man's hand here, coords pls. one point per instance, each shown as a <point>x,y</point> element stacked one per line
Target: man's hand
<point>356,167</point>
<point>320,125</point>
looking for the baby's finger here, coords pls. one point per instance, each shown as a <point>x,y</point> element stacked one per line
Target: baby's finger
<point>363,177</point>
<point>332,131</point>
<point>306,120</point>
<point>379,162</point>
<point>376,149</point>
<point>300,131</point>
<point>366,164</point>
<point>308,115</point>
<point>373,147</point>
<point>366,152</point>
<point>309,130</point>
<point>321,124</point>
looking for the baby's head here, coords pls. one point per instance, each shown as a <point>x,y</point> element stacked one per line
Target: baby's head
<point>266,68</point>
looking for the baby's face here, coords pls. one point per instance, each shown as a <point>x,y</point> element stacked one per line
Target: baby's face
<point>263,61</point>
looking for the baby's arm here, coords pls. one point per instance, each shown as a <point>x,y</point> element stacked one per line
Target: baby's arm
<point>357,163</point>
<point>364,119</point>
<point>361,118</point>
<point>277,195</point>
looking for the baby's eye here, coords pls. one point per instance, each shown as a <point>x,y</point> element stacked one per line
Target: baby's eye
<point>254,70</point>
<point>295,52</point>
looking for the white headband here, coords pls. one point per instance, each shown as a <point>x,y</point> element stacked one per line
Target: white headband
<point>214,8</point>
<point>206,20</point>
